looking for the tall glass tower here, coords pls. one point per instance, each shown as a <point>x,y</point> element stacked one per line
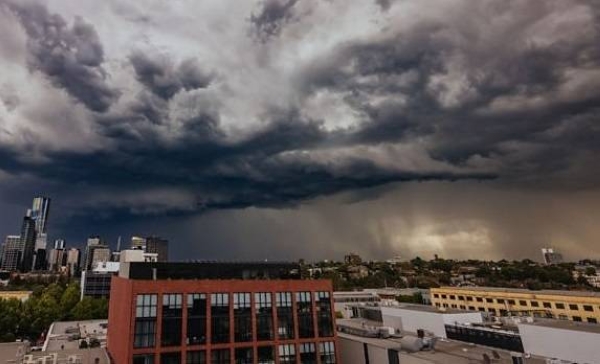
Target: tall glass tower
<point>39,213</point>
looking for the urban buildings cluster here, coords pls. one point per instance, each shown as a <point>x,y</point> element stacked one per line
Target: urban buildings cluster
<point>29,251</point>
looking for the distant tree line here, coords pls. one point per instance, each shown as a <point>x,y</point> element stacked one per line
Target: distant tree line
<point>55,302</point>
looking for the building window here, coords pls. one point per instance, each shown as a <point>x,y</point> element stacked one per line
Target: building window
<point>143,359</point>
<point>462,298</point>
<point>560,306</point>
<point>573,307</point>
<point>512,302</point>
<point>305,316</point>
<point>196,321</point>
<point>479,299</point>
<point>242,317</point>
<point>327,352</point>
<point>437,304</point>
<point>307,353</point>
<point>196,357</point>
<point>170,358</point>
<point>145,321</point>
<point>453,306</point>
<point>499,300</point>
<point>264,316</point>
<point>523,303</point>
<point>220,356</point>
<point>287,354</point>
<point>265,355</point>
<point>324,316</point>
<point>435,295</point>
<point>588,308</point>
<point>547,305</point>
<point>452,297</point>
<point>285,315</point>
<point>444,296</point>
<point>489,300</point>
<point>592,320</point>
<point>244,355</point>
<point>563,317</point>
<point>171,320</point>
<point>219,310</point>
<point>577,318</point>
<point>482,309</point>
<point>535,304</point>
<point>463,307</point>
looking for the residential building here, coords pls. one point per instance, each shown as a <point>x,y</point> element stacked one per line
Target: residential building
<point>158,245</point>
<point>566,305</point>
<point>11,253</point>
<point>220,313</point>
<point>551,257</point>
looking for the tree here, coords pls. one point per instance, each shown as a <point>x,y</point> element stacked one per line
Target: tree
<point>590,271</point>
<point>69,299</point>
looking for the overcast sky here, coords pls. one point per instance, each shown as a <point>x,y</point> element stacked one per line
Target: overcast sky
<point>280,129</point>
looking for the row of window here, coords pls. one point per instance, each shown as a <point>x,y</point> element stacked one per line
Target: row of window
<point>307,353</point>
<point>197,323</point>
<point>501,312</point>
<point>557,305</point>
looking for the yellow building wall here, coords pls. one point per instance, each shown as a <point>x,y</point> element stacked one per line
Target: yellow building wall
<point>20,295</point>
<point>560,305</point>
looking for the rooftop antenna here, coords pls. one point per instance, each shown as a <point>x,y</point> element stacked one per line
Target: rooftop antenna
<point>119,244</point>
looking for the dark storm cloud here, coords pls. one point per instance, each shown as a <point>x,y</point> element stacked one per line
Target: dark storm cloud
<point>402,69</point>
<point>272,16</point>
<point>71,57</point>
<point>163,78</point>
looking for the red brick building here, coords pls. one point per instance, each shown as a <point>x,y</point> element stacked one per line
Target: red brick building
<point>197,313</point>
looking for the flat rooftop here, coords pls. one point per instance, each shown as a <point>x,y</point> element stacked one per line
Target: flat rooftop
<point>526,291</point>
<point>565,325</point>
<point>84,356</point>
<point>66,335</point>
<point>428,308</point>
<point>12,351</point>
<point>210,270</point>
<point>446,351</point>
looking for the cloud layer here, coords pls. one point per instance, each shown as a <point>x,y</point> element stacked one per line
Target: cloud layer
<point>123,110</point>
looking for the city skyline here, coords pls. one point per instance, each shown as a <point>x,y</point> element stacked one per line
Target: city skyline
<point>286,129</point>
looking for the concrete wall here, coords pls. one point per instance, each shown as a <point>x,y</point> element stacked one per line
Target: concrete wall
<point>575,346</point>
<point>411,320</point>
<point>353,352</point>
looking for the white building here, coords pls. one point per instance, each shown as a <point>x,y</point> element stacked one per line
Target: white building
<point>343,301</point>
<point>410,318</point>
<point>574,342</point>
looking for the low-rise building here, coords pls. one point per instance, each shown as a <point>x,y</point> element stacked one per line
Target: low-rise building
<point>566,305</point>
<point>19,295</point>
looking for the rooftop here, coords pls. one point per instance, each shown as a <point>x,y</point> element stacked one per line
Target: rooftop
<point>526,291</point>
<point>11,351</point>
<point>427,308</point>
<point>446,351</point>
<point>66,335</point>
<point>210,270</point>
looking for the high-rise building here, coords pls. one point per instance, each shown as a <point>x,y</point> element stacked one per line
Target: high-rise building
<point>551,257</point>
<point>28,236</point>
<point>11,253</point>
<point>158,245</point>
<point>39,213</point>
<point>220,313</point>
<point>59,244</point>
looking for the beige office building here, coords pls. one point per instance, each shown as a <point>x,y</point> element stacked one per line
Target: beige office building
<point>567,305</point>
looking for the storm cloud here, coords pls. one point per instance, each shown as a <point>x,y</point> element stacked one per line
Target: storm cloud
<point>189,120</point>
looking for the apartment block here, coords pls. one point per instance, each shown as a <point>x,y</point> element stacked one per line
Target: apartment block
<point>566,305</point>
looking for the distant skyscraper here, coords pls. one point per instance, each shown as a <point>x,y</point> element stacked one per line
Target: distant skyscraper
<point>160,246</point>
<point>59,244</point>
<point>39,213</point>
<point>551,257</point>
<point>28,236</point>
<point>11,253</point>
<point>73,261</point>
<point>95,252</point>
